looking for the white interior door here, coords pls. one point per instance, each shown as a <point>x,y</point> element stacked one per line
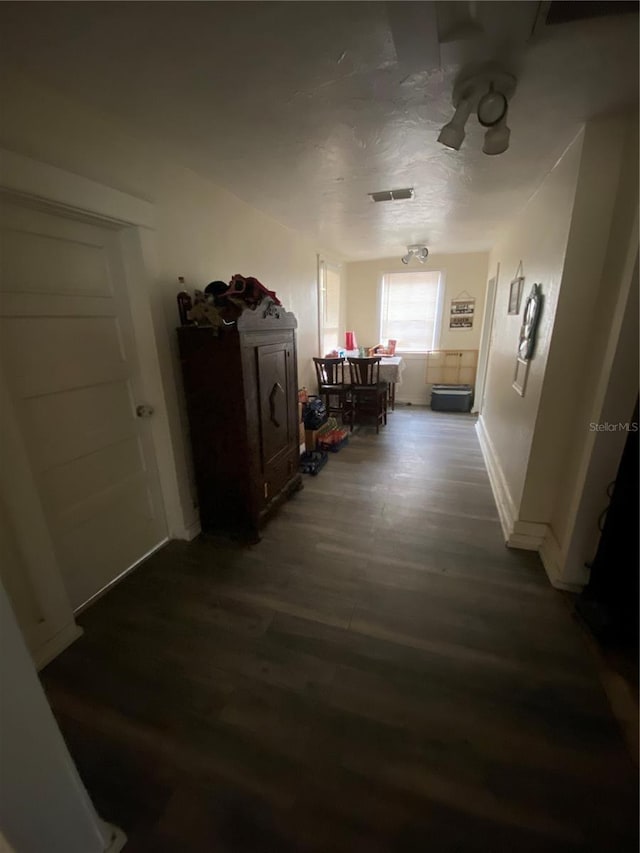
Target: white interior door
<point>69,361</point>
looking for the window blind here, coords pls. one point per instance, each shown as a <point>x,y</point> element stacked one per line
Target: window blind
<point>409,309</point>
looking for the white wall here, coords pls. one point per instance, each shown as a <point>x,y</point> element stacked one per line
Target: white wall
<point>43,803</point>
<point>562,239</point>
<point>202,231</point>
<point>465,271</point>
<point>535,245</point>
<point>608,366</point>
<point>567,371</point>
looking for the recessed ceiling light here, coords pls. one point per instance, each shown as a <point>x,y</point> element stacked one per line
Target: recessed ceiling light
<point>393,195</point>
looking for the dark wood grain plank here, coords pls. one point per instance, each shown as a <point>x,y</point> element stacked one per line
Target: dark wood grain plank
<point>378,674</point>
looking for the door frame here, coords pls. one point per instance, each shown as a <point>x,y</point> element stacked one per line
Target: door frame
<point>323,266</point>
<point>63,192</point>
<point>486,339</point>
<point>41,186</point>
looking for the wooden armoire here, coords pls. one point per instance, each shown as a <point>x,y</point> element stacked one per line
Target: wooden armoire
<point>241,391</point>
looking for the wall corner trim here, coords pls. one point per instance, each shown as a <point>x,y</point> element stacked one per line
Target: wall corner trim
<point>528,535</point>
<point>57,644</point>
<point>504,502</point>
<point>552,560</point>
<point>191,531</point>
<point>117,837</point>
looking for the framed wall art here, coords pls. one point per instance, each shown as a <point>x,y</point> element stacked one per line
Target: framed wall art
<point>462,311</point>
<point>515,294</point>
<point>530,320</point>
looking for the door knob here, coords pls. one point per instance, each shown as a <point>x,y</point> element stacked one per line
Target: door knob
<point>144,411</point>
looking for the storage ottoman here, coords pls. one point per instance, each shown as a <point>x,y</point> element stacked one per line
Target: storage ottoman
<point>451,398</point>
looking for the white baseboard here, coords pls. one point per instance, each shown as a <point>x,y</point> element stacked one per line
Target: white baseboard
<point>120,577</point>
<point>553,560</point>
<point>527,535</point>
<point>412,401</point>
<point>117,838</point>
<point>193,530</point>
<point>502,496</point>
<point>57,644</point>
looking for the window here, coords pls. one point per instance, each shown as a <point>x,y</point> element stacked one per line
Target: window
<point>410,310</point>
<point>329,308</point>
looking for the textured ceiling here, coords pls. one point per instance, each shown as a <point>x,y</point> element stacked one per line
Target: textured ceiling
<point>303,108</point>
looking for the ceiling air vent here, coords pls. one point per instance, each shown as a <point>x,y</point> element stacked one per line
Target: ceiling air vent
<point>392,195</point>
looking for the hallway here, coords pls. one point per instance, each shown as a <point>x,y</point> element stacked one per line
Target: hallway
<point>379,673</point>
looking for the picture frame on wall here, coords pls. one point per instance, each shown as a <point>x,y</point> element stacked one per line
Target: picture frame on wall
<point>463,307</point>
<point>520,376</point>
<point>460,322</point>
<point>515,294</point>
<point>461,312</point>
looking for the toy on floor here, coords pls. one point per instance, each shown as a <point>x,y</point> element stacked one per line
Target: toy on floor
<point>312,461</point>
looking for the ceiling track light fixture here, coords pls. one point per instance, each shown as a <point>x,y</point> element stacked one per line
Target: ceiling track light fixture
<point>496,139</point>
<point>486,92</point>
<point>452,134</point>
<point>418,251</point>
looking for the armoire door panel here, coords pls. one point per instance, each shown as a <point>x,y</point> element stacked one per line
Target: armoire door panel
<point>279,473</point>
<point>275,400</point>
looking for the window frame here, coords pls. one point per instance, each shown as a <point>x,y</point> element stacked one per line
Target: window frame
<point>325,266</point>
<point>437,326</point>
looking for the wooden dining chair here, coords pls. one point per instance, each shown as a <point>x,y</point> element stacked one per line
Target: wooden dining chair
<point>333,389</point>
<point>369,393</point>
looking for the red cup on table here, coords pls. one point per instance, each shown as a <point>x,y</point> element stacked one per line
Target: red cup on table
<point>350,341</point>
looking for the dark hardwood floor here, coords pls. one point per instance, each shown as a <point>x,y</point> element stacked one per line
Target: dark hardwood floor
<point>379,673</point>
